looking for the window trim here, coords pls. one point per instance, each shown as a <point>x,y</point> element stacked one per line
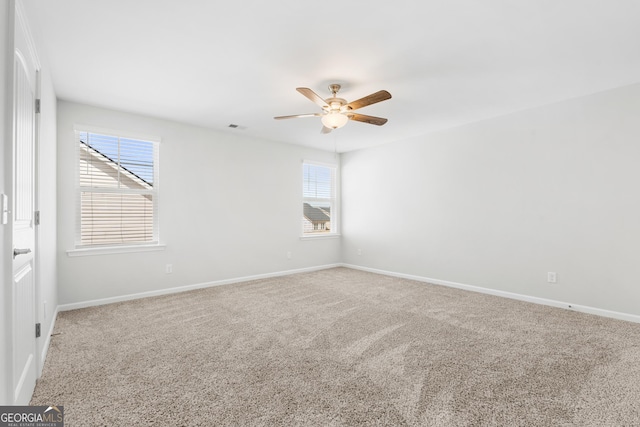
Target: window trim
<point>128,247</point>
<point>107,250</point>
<point>334,200</point>
<point>321,236</point>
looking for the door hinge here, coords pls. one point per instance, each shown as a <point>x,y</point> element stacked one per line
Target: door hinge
<point>37,106</point>
<point>37,330</point>
<point>36,217</point>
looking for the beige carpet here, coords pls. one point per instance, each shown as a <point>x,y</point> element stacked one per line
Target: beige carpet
<point>340,347</point>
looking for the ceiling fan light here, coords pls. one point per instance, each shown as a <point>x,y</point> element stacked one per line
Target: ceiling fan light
<point>334,120</point>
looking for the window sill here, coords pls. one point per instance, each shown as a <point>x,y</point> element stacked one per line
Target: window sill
<point>115,250</point>
<point>320,236</point>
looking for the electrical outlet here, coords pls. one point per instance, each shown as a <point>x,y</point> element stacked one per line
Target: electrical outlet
<point>551,277</point>
<point>288,255</point>
<point>168,268</point>
<point>359,251</point>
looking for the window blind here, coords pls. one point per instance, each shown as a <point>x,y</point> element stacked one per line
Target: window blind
<point>117,191</point>
<point>319,196</point>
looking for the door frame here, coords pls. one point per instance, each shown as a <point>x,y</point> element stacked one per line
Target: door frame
<point>8,14</point>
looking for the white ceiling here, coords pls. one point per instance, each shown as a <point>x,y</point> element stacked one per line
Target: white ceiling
<point>445,62</point>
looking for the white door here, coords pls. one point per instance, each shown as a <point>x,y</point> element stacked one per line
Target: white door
<point>23,291</point>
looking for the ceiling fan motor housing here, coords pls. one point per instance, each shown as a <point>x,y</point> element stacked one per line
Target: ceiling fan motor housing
<point>335,104</point>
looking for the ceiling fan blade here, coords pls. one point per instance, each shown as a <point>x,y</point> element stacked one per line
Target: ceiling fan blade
<point>381,95</point>
<point>325,129</point>
<point>298,116</point>
<point>314,97</point>
<point>379,121</point>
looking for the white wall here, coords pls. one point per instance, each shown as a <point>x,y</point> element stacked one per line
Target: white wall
<point>500,203</point>
<point>230,207</point>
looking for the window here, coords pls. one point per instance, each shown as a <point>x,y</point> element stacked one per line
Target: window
<point>319,211</point>
<point>117,190</point>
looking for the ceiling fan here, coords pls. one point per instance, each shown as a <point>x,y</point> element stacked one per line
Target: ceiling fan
<point>336,112</point>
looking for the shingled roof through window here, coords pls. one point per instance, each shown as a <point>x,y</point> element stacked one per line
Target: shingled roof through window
<point>314,214</point>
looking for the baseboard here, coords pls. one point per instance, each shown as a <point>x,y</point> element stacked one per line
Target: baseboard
<point>521,297</point>
<point>111,300</point>
<point>47,342</point>
<point>536,300</point>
